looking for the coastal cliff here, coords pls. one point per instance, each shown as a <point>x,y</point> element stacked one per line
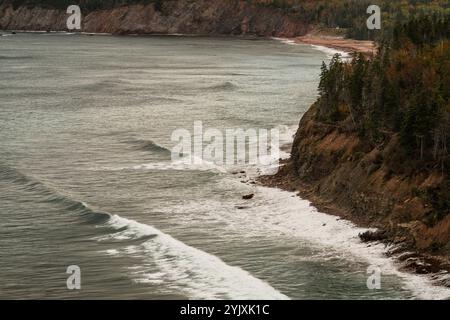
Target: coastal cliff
<point>203,17</point>
<point>364,180</point>
<point>374,147</point>
<point>344,175</point>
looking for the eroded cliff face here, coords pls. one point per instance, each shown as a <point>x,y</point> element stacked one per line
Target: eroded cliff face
<point>367,184</point>
<point>202,17</point>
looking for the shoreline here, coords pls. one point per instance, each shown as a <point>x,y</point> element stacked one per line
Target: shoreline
<point>339,43</point>
<point>435,268</point>
<point>345,239</point>
<point>305,192</point>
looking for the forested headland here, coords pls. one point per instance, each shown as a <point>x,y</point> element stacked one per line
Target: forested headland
<point>375,145</point>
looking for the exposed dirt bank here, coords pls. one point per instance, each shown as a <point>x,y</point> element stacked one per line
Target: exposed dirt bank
<point>203,17</point>
<point>342,175</point>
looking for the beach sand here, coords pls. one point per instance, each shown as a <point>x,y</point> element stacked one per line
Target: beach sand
<point>339,43</point>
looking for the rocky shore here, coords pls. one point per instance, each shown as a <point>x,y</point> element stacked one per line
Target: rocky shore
<point>340,175</point>
<point>329,165</point>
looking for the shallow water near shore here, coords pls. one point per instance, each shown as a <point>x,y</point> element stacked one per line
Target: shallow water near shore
<point>86,177</point>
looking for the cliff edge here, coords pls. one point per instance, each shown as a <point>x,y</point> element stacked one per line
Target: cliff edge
<point>343,175</point>
<point>203,17</point>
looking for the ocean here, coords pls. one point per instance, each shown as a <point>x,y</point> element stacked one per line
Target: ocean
<point>87,179</point>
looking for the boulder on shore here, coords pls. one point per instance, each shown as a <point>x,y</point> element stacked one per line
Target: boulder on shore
<point>248,196</point>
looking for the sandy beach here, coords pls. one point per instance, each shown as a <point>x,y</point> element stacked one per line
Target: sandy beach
<point>339,43</point>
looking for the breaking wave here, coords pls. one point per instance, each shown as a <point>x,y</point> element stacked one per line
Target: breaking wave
<point>195,273</point>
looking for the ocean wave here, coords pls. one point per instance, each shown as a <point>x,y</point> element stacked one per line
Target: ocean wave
<point>195,273</point>
<point>148,145</point>
<point>298,218</point>
<point>186,163</point>
<point>267,164</point>
<point>58,33</point>
<point>96,33</point>
<point>225,86</point>
<point>50,195</point>
<point>286,41</point>
<point>330,52</point>
<point>103,84</point>
<point>270,163</point>
<point>3,57</point>
<point>342,236</point>
<point>327,230</point>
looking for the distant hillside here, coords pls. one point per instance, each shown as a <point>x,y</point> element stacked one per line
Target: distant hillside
<point>348,15</point>
<point>351,15</point>
<point>202,17</point>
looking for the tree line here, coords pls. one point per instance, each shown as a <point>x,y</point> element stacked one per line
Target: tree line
<point>350,16</point>
<point>402,92</point>
<point>404,89</point>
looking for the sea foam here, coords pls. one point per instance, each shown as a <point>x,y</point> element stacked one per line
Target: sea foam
<point>187,270</point>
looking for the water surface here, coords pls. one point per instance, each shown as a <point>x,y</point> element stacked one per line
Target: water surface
<point>86,177</point>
